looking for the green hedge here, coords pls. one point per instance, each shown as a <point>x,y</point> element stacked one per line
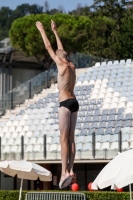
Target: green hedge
<point>14,195</point>
<point>107,195</point>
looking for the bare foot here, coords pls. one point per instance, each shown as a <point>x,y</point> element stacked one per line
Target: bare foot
<point>71,173</point>
<point>64,176</point>
<point>39,26</point>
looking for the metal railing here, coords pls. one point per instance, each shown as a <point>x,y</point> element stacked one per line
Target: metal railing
<point>55,154</point>
<point>55,196</point>
<point>35,85</point>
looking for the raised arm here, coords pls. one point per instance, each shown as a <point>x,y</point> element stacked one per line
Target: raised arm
<point>54,29</point>
<point>47,42</point>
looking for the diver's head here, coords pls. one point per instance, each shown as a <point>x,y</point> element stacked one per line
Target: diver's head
<point>61,54</point>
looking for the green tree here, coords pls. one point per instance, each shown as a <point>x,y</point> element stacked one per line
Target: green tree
<point>26,37</point>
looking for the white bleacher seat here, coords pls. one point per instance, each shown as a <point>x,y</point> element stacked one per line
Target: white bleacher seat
<point>17,141</point>
<point>19,129</point>
<point>37,148</point>
<point>115,94</point>
<point>115,100</point>
<point>47,127</point>
<point>79,146</point>
<point>12,129</point>
<point>31,128</point>
<point>26,141</point>
<point>6,149</point>
<point>106,106</point>
<point>9,123</point>
<point>40,141</point>
<point>105,81</point>
<point>91,82</point>
<point>32,141</point>
<point>53,148</point>
<point>106,138</point>
<point>80,139</point>
<point>114,138</point>
<point>15,149</point>
<point>28,112</point>
<point>98,138</point>
<point>45,115</point>
<point>16,135</point>
<point>88,139</point>
<point>101,95</point>
<point>55,127</point>
<point>109,94</point>
<point>28,134</point>
<point>97,86</point>
<point>121,105</point>
<point>26,128</point>
<point>122,61</point>
<point>36,122</point>
<point>107,100</point>
<point>5,129</point>
<point>125,145</point>
<point>102,90</point>
<point>126,130</point>
<point>110,90</point>
<point>129,104</point>
<point>57,133</point>
<point>105,145</point>
<point>104,84</point>
<point>10,142</point>
<point>13,117</point>
<point>113,105</point>
<point>56,140</point>
<point>49,140</point>
<point>15,123</point>
<point>25,117</point>
<point>34,111</point>
<point>31,117</point>
<point>43,121</point>
<point>29,148</point>
<point>94,96</point>
<point>51,104</point>
<point>38,116</point>
<point>98,145</point>
<point>7,135</point>
<point>86,146</point>
<point>128,110</point>
<point>97,64</point>
<point>114,145</point>
<point>40,128</point>
<point>123,99</point>
<point>50,121</point>
<point>125,137</point>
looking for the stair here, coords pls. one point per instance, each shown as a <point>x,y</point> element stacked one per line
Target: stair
<point>36,97</point>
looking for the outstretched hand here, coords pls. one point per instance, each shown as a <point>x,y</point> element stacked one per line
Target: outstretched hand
<point>39,26</point>
<point>53,26</point>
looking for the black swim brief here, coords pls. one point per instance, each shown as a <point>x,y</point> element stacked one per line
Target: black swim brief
<point>71,104</point>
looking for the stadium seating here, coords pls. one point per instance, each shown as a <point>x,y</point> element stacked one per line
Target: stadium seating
<point>105,95</point>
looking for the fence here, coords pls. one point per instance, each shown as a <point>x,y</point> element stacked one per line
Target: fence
<point>55,196</point>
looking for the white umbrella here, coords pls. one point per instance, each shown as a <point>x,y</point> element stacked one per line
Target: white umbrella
<point>25,170</point>
<point>124,177</point>
<point>111,170</point>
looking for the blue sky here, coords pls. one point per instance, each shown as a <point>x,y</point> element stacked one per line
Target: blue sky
<point>67,4</point>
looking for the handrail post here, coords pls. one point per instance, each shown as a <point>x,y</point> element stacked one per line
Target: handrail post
<point>44,145</point>
<point>120,141</point>
<point>29,89</point>
<point>22,147</point>
<point>93,145</point>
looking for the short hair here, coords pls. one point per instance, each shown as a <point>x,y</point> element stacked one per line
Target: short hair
<point>61,53</point>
